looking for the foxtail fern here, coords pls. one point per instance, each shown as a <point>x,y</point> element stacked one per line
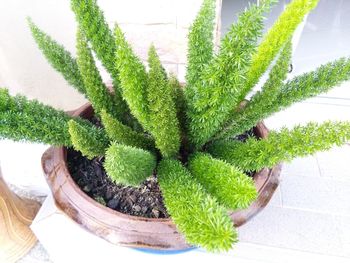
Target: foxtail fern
<point>231,187</point>
<point>185,197</point>
<point>129,165</point>
<point>59,58</point>
<point>284,145</point>
<point>277,36</point>
<point>29,120</point>
<point>133,78</point>
<point>163,120</point>
<point>262,101</point>
<point>200,42</point>
<point>219,88</point>
<point>90,142</point>
<point>96,90</point>
<point>92,22</point>
<point>189,135</point>
<point>123,134</point>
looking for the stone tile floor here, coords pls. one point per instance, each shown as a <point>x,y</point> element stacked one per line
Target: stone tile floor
<point>310,211</point>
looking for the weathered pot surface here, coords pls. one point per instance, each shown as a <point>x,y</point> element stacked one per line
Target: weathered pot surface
<point>133,231</point>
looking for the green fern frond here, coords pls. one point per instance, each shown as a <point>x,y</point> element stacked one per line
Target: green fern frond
<point>128,165</point>
<point>59,58</point>
<point>97,92</point>
<point>228,184</point>
<point>92,22</point>
<point>123,134</point>
<point>133,78</point>
<point>313,83</point>
<point>23,127</point>
<point>29,120</point>
<point>180,102</point>
<point>91,142</point>
<point>200,42</point>
<point>195,213</point>
<point>246,118</point>
<point>218,91</point>
<point>284,145</point>
<point>277,36</point>
<point>163,119</point>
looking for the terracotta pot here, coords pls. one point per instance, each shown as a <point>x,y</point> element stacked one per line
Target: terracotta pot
<point>126,230</point>
<point>16,215</point>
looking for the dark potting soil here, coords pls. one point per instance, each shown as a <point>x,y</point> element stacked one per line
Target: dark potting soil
<point>145,200</point>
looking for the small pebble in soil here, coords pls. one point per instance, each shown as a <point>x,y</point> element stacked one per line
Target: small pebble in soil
<point>155,212</point>
<point>113,203</point>
<point>137,208</point>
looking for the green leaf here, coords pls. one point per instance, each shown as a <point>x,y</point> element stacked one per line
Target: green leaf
<point>29,120</point>
<point>96,90</point>
<point>128,165</point>
<point>90,142</point>
<point>163,119</point>
<point>218,91</point>
<point>277,36</point>
<point>59,58</point>
<point>285,145</point>
<point>200,42</point>
<point>196,214</point>
<point>92,22</point>
<point>123,134</point>
<point>260,104</point>
<point>231,187</point>
<point>133,78</point>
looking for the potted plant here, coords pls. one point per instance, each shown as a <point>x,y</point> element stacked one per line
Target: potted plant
<point>176,164</point>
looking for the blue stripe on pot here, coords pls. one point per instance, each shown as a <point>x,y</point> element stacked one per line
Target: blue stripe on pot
<point>164,252</point>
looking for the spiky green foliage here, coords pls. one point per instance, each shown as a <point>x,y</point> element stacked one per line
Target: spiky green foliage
<point>221,83</point>
<point>297,89</point>
<point>96,90</point>
<point>195,213</point>
<point>133,78</point>
<point>123,134</point>
<point>261,102</point>
<point>162,110</point>
<point>91,20</point>
<point>94,26</point>
<point>284,145</point>
<point>231,187</point>
<point>200,42</point>
<point>180,101</point>
<point>277,36</point>
<point>184,123</point>
<point>30,120</point>
<point>128,165</point>
<point>313,83</point>
<point>60,59</point>
<point>23,127</point>
<point>90,142</point>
